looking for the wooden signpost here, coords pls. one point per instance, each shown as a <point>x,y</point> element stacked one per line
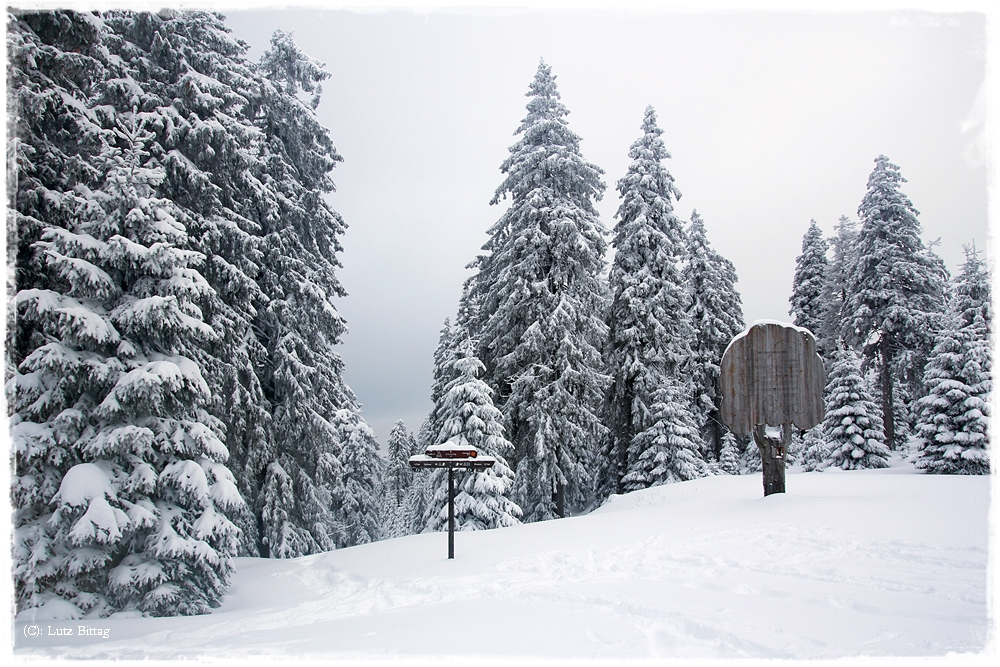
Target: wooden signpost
<point>772,376</point>
<point>451,455</point>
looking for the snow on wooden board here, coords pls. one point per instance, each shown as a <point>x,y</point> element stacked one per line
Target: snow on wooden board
<point>860,563</point>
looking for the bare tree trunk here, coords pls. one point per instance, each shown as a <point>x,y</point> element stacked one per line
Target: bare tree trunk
<point>560,495</point>
<point>772,457</point>
<point>888,413</point>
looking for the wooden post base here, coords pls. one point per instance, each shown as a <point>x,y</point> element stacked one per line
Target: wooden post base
<point>772,457</point>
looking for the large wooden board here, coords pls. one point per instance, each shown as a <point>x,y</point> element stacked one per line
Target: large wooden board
<point>771,374</point>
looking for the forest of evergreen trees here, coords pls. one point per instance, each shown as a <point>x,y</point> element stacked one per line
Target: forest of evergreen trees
<point>175,394</point>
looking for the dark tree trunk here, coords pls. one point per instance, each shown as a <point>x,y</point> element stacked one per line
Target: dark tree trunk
<point>715,430</point>
<point>622,437</point>
<point>885,377</point>
<point>262,547</point>
<point>772,457</point>
<point>622,446</point>
<point>560,498</point>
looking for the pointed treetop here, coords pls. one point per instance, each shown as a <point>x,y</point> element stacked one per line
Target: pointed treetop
<point>647,188</point>
<point>651,142</point>
<point>285,63</point>
<point>546,134</point>
<point>883,199</point>
<point>971,299</point>
<point>650,145</point>
<point>696,221</point>
<point>544,103</point>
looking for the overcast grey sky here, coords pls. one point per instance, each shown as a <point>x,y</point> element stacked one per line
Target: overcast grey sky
<point>772,119</point>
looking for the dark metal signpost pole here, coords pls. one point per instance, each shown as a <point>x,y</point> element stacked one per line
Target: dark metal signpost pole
<point>451,513</point>
<point>451,457</point>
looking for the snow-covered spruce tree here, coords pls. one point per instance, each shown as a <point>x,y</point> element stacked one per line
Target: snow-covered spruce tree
<point>835,284</point>
<point>750,460</point>
<point>971,296</point>
<point>895,292</point>
<point>729,458</point>
<point>419,508</point>
<point>357,496</point>
<point>716,314</point>
<point>481,497</point>
<point>412,515</point>
<point>812,268</point>
<point>137,524</point>
<point>397,479</point>
<point>451,338</point>
<point>54,60</point>
<point>852,427</point>
<point>953,423</point>
<point>300,326</point>
<point>192,84</point>
<point>669,450</point>
<point>542,305</point>
<point>649,333</point>
<point>815,452</point>
<point>54,134</point>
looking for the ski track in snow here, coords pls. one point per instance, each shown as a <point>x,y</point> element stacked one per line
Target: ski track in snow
<point>700,569</point>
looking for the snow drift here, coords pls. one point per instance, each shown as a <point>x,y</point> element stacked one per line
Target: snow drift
<point>873,562</point>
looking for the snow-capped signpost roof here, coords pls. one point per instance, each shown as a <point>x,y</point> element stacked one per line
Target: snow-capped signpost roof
<point>771,375</point>
<point>452,454</point>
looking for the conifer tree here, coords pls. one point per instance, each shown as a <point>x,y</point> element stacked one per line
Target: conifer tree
<point>815,452</point>
<point>398,474</point>
<point>835,285</point>
<point>669,449</point>
<point>649,332</point>
<point>953,423</point>
<point>812,268</point>
<point>542,328</point>
<point>470,419</point>
<point>729,458</point>
<point>191,83</point>
<point>244,164</point>
<point>325,452</point>
<point>54,133</point>
<point>423,502</point>
<point>852,427</point>
<point>158,167</point>
<point>398,481</point>
<point>138,522</point>
<point>716,314</point>
<point>452,336</point>
<point>413,514</point>
<point>896,290</point>
<point>54,60</point>
<point>357,495</point>
<point>751,458</point>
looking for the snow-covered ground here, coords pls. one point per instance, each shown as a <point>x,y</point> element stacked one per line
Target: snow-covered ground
<point>877,563</point>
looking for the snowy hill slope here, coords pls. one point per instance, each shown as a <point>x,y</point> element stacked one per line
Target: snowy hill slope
<point>881,562</point>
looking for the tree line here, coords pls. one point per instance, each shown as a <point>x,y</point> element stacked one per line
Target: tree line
<point>907,347</point>
<point>583,379</point>
<point>600,382</point>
